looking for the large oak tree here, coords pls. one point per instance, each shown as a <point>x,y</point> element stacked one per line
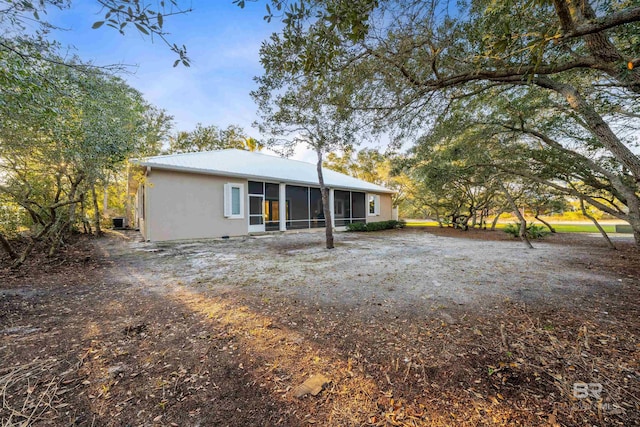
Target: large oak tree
<point>406,64</point>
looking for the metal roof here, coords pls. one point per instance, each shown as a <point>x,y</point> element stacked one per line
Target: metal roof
<point>256,166</point>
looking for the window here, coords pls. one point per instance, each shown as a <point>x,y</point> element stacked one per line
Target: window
<point>234,200</point>
<point>142,208</point>
<point>374,204</point>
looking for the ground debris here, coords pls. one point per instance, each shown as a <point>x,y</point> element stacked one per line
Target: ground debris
<point>312,385</point>
<point>223,342</point>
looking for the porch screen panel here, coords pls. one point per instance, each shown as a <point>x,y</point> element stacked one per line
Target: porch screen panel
<point>317,213</point>
<point>342,207</point>
<point>298,207</point>
<point>359,207</point>
<point>256,187</point>
<point>272,206</point>
<point>272,191</point>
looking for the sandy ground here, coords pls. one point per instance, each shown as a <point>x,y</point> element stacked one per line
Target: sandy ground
<point>420,327</point>
<point>408,270</point>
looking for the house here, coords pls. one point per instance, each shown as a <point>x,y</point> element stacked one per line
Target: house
<point>235,192</point>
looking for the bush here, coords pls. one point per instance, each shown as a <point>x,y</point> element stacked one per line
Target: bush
<point>357,226</point>
<point>375,226</point>
<point>13,219</point>
<point>534,231</point>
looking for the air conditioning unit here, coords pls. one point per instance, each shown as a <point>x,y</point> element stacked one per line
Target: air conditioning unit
<point>119,223</point>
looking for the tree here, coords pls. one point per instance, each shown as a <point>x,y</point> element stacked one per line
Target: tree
<point>372,166</point>
<point>156,132</point>
<point>252,144</point>
<point>63,130</point>
<point>542,201</point>
<point>147,17</point>
<point>301,114</point>
<point>456,176</point>
<point>207,138</point>
<point>403,63</point>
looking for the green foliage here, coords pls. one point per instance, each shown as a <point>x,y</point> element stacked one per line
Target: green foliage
<point>208,138</point>
<point>12,218</point>
<point>372,166</point>
<point>65,130</point>
<point>376,226</point>
<point>510,93</point>
<point>534,231</point>
<point>357,226</point>
<point>146,16</point>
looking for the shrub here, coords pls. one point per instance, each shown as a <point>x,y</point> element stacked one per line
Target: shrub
<point>13,219</point>
<point>375,226</point>
<point>534,231</point>
<point>357,226</point>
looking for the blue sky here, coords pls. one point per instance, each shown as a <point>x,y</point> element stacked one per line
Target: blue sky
<point>223,43</point>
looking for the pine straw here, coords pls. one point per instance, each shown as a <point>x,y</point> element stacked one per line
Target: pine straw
<point>36,388</point>
<point>522,372</point>
<point>211,354</point>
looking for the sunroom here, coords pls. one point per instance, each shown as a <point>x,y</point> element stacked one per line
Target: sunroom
<point>280,207</point>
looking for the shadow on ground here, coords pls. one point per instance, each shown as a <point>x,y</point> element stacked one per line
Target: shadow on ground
<point>210,333</point>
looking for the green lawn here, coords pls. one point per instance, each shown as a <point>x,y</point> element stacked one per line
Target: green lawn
<point>582,228</point>
<point>561,228</point>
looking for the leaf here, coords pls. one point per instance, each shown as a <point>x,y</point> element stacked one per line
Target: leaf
<point>142,29</point>
<point>160,20</point>
<point>313,385</point>
<point>97,25</point>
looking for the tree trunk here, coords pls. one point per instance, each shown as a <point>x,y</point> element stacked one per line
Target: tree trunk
<point>85,224</point>
<point>633,218</point>
<point>553,230</point>
<point>105,197</point>
<point>325,203</point>
<point>600,229</point>
<point>96,216</point>
<point>523,222</point>
<point>439,219</point>
<point>597,125</point>
<point>57,240</point>
<point>23,256</point>
<point>494,223</point>
<point>32,243</point>
<point>6,245</point>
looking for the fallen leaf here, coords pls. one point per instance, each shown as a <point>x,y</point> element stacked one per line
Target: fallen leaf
<point>313,385</point>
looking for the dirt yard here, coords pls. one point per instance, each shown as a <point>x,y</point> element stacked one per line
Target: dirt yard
<point>420,327</point>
